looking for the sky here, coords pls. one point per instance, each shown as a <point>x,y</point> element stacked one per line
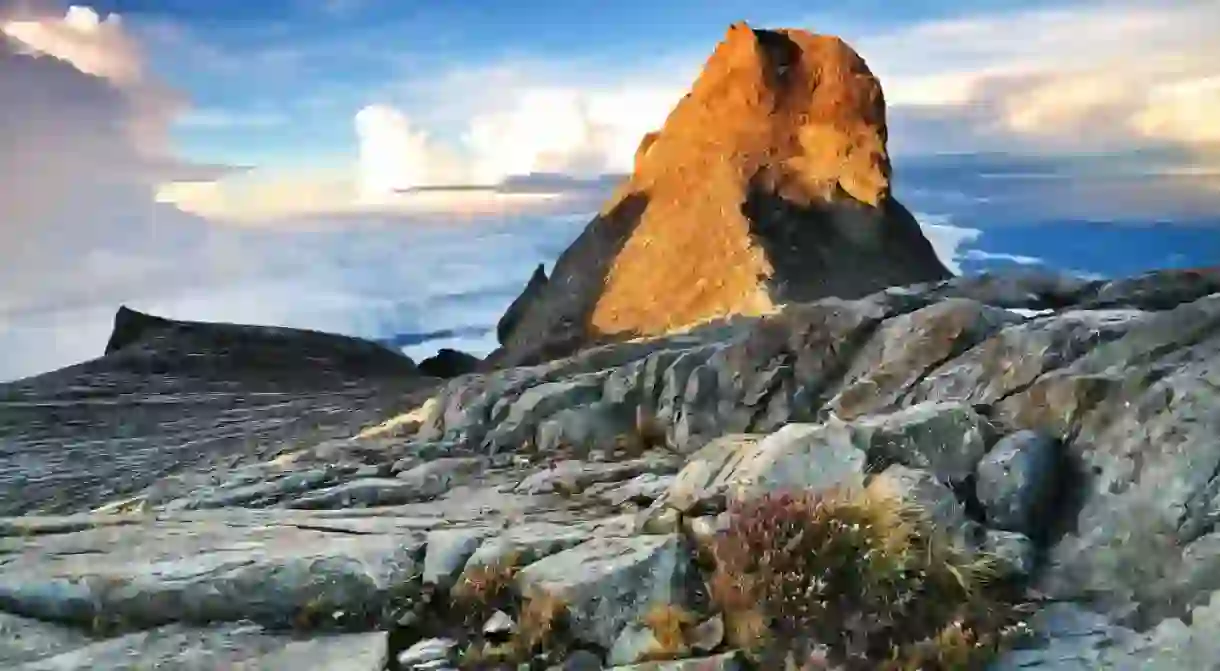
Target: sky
<point>152,147</point>
<point>355,98</point>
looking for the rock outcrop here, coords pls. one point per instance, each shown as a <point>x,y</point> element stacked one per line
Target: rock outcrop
<point>448,363</point>
<point>171,400</point>
<point>769,183</point>
<point>1074,443</point>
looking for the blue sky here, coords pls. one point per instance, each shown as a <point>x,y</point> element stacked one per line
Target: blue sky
<point>266,76</point>
<point>324,105</point>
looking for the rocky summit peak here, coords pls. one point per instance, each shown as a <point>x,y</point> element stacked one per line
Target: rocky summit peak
<point>769,182</point>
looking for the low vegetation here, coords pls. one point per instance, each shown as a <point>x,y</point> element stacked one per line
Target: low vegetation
<point>482,590</point>
<point>541,617</point>
<point>854,580</point>
<point>670,626</point>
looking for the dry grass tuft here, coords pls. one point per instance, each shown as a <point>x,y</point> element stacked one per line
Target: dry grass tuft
<point>670,625</point>
<point>541,616</point>
<point>483,589</point>
<point>544,619</point>
<point>859,572</point>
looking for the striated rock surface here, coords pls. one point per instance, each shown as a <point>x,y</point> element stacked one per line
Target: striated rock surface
<point>171,400</point>
<point>769,183</point>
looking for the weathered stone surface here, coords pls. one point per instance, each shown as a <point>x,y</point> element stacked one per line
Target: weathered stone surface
<point>608,583</point>
<point>523,544</point>
<point>274,569</point>
<point>1017,479</point>
<point>798,457</point>
<point>947,439</point>
<point>575,476</point>
<point>1128,395</point>
<point>762,188</point>
<point>448,550</point>
<point>924,491</point>
<point>783,369</point>
<point>708,635</point>
<point>1014,553</point>
<point>1160,290</point>
<point>185,397</point>
<point>236,646</point>
<point>363,493</point>
<point>1013,358</point>
<point>23,639</point>
<point>499,624</point>
<point>908,347</point>
<point>581,660</point>
<point>1017,289</point>
<point>433,478</point>
<point>729,661</point>
<point>522,415</point>
<point>597,426</point>
<point>1140,415</point>
<point>1069,638</point>
<point>432,654</point>
<point>643,489</point>
<point>271,489</point>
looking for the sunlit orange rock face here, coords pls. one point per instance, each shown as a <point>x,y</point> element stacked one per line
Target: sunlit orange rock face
<point>768,183</point>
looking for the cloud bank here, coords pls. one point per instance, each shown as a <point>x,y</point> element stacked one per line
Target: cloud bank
<point>84,144</point>
<point>1102,76</point>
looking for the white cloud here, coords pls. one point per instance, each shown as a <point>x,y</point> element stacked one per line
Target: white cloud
<point>567,130</point>
<point>83,143</point>
<point>512,124</point>
<point>1106,75</point>
<point>99,46</point>
<point>92,44</point>
<point>395,155</point>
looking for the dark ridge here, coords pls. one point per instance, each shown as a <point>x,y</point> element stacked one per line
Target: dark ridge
<point>130,326</point>
<point>173,398</point>
<point>164,346</point>
<point>449,363</point>
<point>508,322</point>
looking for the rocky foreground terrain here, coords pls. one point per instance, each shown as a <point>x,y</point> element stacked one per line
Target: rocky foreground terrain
<point>1068,427</point>
<point>211,496</point>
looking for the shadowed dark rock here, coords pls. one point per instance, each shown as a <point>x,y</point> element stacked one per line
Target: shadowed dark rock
<point>544,466</point>
<point>448,363</point>
<point>512,315</point>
